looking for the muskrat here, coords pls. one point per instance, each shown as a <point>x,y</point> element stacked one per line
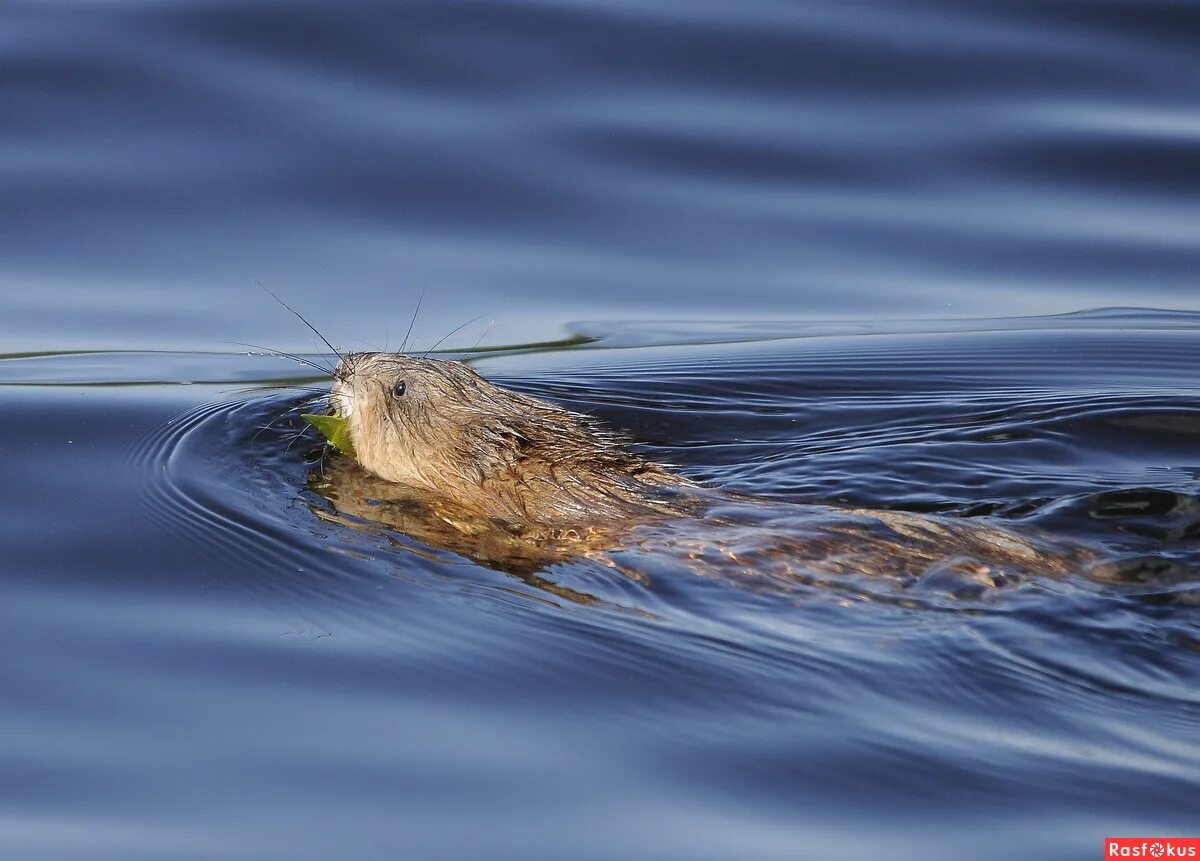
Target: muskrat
<point>517,483</point>
<point>439,426</point>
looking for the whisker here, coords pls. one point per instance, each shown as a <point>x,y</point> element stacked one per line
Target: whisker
<point>261,430</point>
<point>299,435</point>
<point>491,323</point>
<point>305,404</point>
<point>263,387</point>
<point>282,355</point>
<point>292,441</point>
<point>341,358</point>
<point>267,351</point>
<point>295,408</point>
<point>413,321</point>
<point>475,346</point>
<point>452,332</point>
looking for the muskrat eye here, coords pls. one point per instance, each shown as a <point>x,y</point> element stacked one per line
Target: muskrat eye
<point>399,389</point>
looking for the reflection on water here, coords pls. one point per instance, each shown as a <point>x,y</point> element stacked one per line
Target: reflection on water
<point>754,542</point>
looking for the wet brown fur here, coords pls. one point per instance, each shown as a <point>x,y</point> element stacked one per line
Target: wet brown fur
<point>519,483</point>
<point>495,452</point>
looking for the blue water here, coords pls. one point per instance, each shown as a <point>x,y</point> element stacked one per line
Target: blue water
<point>936,257</point>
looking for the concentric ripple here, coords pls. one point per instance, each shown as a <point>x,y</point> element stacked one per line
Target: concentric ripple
<point>868,421</point>
<point>228,478</point>
<point>342,649</point>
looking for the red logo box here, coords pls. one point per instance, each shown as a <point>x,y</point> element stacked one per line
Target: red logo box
<point>1152,847</point>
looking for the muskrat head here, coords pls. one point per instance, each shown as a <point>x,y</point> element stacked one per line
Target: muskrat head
<point>439,425</point>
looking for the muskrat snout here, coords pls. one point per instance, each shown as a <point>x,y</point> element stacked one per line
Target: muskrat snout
<point>433,423</point>
<point>342,393</point>
<point>396,407</point>
<point>360,377</point>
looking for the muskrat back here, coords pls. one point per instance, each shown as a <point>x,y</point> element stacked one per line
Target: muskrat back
<point>480,469</point>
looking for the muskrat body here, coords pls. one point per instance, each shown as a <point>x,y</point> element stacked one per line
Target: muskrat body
<point>518,483</point>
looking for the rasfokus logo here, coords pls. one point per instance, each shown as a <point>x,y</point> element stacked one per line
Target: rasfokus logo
<point>1152,847</point>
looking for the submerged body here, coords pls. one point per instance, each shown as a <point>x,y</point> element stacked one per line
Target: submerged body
<point>519,483</point>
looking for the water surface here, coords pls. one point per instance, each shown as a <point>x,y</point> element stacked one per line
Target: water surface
<point>200,665</point>
<point>925,256</point>
<point>543,162</point>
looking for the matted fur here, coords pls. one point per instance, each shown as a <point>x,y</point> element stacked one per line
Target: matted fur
<point>493,450</point>
<point>517,483</point>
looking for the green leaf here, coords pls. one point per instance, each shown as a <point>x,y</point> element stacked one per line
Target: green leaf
<point>335,429</point>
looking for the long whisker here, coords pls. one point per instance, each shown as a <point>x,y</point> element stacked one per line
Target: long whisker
<point>413,321</point>
<point>299,435</point>
<point>282,355</point>
<point>341,358</point>
<point>491,323</point>
<point>475,346</point>
<point>259,387</point>
<point>452,332</point>
<point>263,387</point>
<point>304,404</point>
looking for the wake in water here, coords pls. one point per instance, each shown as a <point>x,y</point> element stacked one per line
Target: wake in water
<point>783,541</point>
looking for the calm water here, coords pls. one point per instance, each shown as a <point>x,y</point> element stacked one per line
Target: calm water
<point>899,255</point>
